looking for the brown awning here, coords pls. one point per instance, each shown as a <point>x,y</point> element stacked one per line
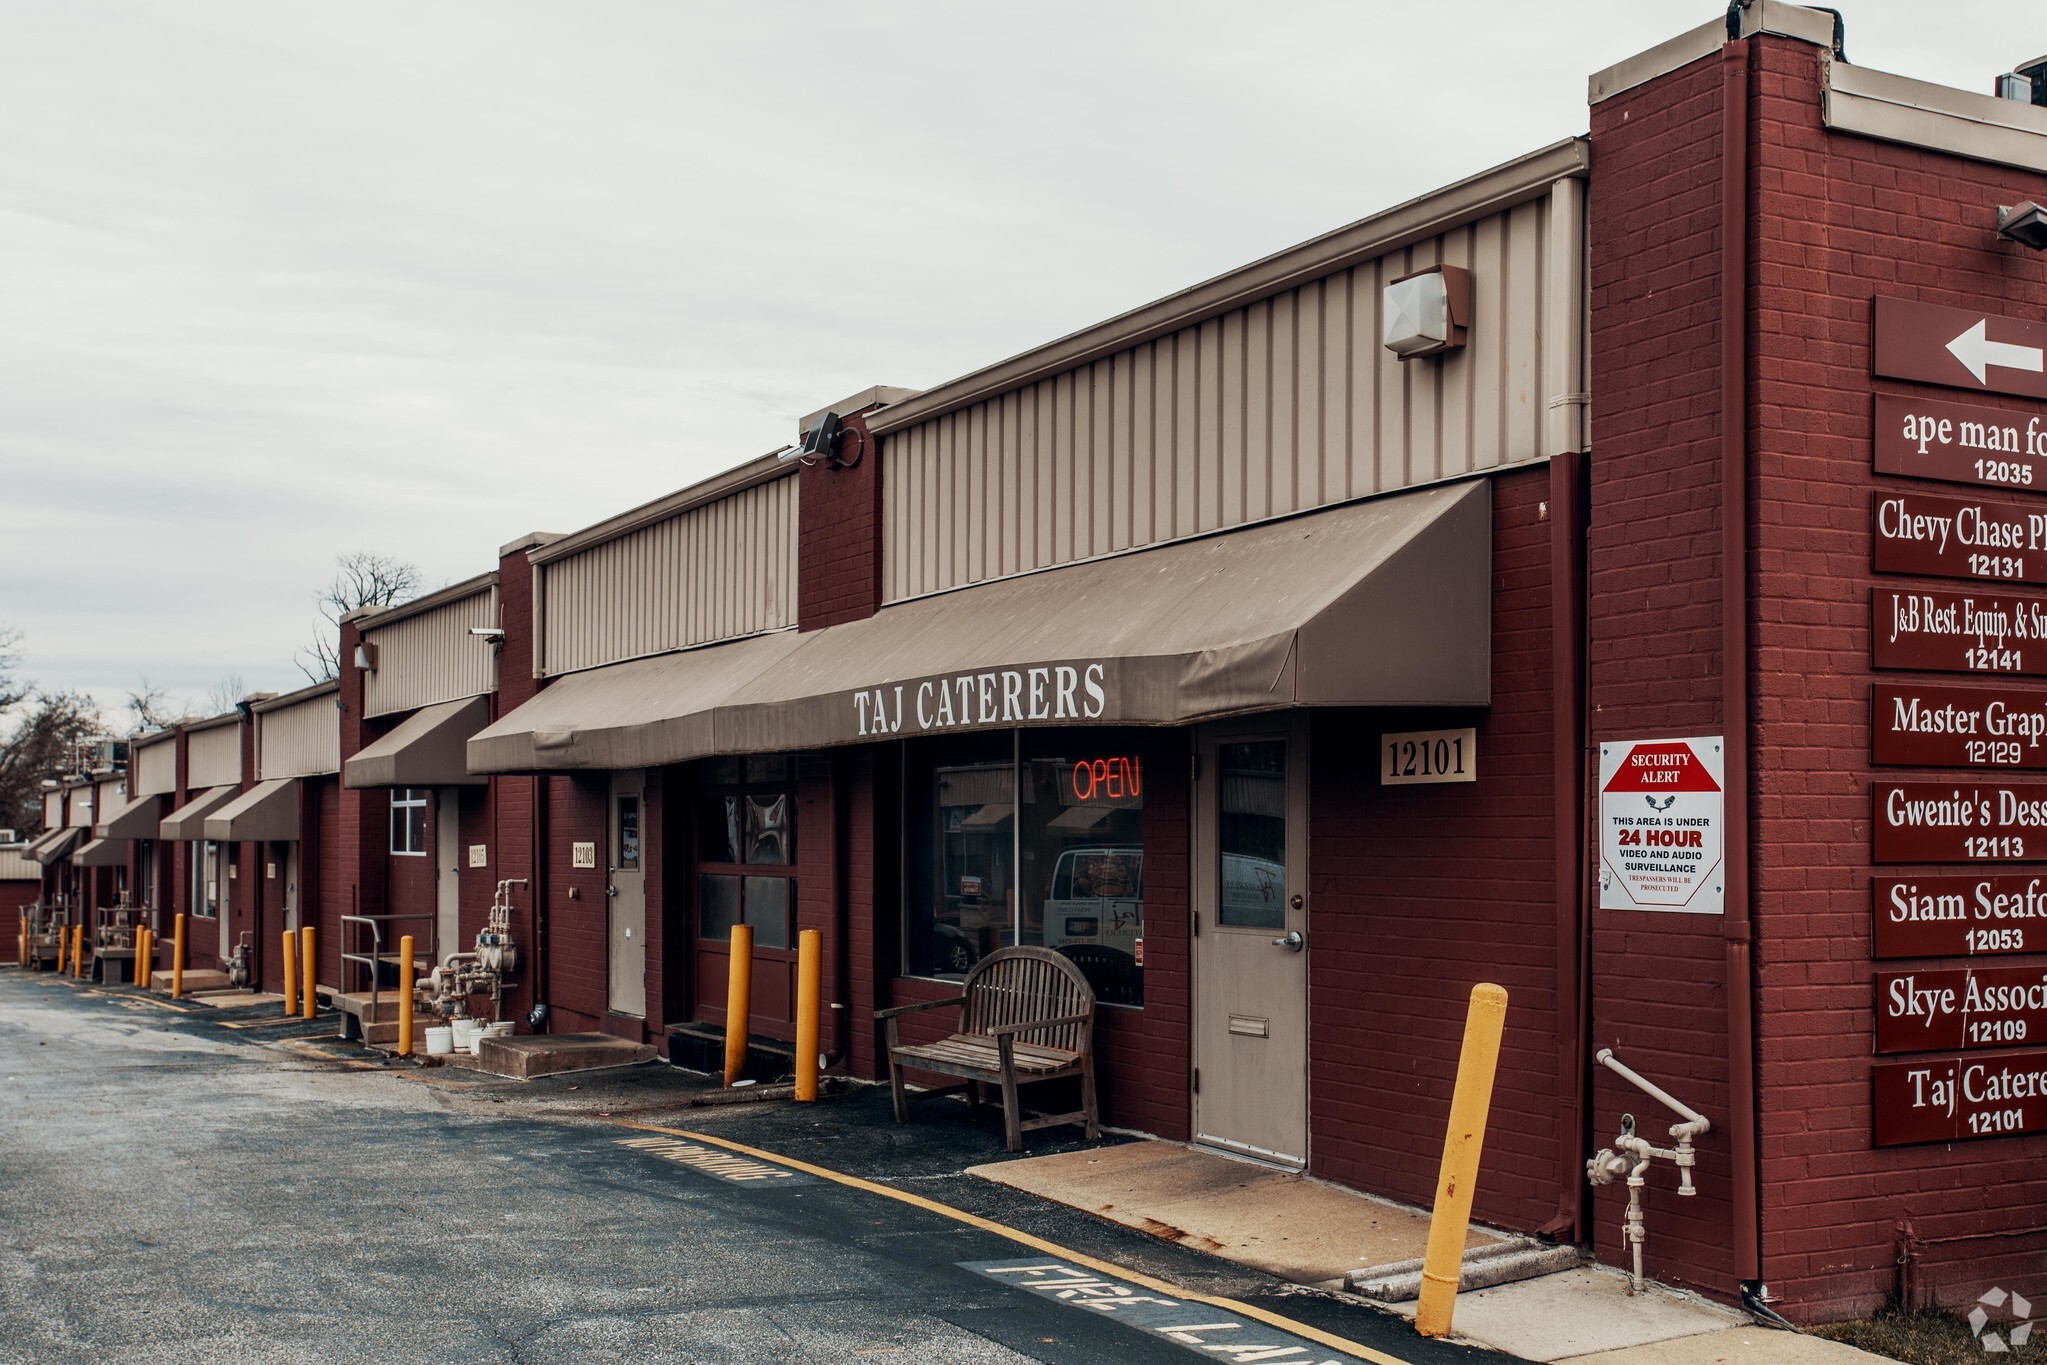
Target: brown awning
<point>52,847</point>
<point>268,810</point>
<point>189,820</point>
<point>136,819</point>
<point>102,853</point>
<point>428,749</point>
<point>40,842</point>
<point>1386,602</point>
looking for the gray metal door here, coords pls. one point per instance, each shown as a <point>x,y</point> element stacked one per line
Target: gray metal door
<point>448,878</point>
<point>1250,947</point>
<point>627,892</point>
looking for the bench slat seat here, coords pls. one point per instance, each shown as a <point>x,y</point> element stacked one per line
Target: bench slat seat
<point>1026,1015</point>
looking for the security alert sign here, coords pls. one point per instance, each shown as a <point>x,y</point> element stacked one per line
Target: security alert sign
<point>1660,825</point>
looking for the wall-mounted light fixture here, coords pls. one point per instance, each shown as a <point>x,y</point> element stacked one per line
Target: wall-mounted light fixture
<point>821,444</point>
<point>244,709</point>
<point>2024,223</point>
<point>1428,312</point>
<point>494,634</point>
<point>365,656</point>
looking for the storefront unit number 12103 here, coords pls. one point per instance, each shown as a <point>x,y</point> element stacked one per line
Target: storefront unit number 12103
<point>1419,757</point>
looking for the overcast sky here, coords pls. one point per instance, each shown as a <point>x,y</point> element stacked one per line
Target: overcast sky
<point>281,280</point>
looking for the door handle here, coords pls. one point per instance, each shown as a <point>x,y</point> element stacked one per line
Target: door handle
<point>610,890</point>
<point>1292,941</point>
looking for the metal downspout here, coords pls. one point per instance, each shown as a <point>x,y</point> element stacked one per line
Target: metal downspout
<point>1568,760</point>
<point>1734,655</point>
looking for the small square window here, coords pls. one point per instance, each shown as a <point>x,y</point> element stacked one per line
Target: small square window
<point>408,821</point>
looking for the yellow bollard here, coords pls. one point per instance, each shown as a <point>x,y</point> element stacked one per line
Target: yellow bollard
<point>178,958</point>
<point>1450,1220</point>
<point>291,973</point>
<point>78,952</point>
<point>405,996</point>
<point>142,951</point>
<point>309,997</point>
<point>738,1001</point>
<point>809,953</point>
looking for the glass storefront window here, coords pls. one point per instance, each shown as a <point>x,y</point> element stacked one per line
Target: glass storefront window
<point>1032,839</point>
<point>746,849</point>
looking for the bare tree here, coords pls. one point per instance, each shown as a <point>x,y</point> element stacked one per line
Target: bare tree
<point>222,696</point>
<point>39,733</point>
<point>150,705</point>
<point>363,579</point>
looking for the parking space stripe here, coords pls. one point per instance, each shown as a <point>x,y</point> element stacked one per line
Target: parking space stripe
<point>1249,1310</point>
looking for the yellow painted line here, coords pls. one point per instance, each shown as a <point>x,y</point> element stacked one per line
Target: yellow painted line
<point>854,1182</point>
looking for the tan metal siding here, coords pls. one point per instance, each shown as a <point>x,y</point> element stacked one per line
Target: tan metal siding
<point>432,657</point>
<point>302,740</point>
<point>53,810</point>
<point>717,572</point>
<point>214,757</point>
<point>108,798</point>
<point>1283,405</point>
<point>156,769</point>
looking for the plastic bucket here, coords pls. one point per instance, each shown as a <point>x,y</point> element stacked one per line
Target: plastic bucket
<point>466,1031</point>
<point>501,1029</point>
<point>440,1041</point>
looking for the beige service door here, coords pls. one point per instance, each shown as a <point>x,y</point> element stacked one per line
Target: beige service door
<point>290,869</point>
<point>448,873</point>
<point>628,894</point>
<point>1250,946</point>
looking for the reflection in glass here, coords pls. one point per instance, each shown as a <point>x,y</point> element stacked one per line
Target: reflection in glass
<point>718,829</point>
<point>628,833</point>
<point>767,910</point>
<point>767,830</point>
<point>717,906</point>
<point>1251,834</point>
<point>1082,871</point>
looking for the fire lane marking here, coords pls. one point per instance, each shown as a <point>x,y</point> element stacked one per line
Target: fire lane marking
<point>722,1165</point>
<point>1352,1350</point>
<point>1199,1326</point>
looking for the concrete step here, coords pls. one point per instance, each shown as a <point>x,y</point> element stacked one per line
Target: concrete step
<point>383,1010</point>
<point>523,1058</point>
<point>701,1047</point>
<point>195,981</point>
<point>386,1034</point>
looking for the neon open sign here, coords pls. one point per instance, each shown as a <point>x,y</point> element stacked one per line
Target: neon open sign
<point>1103,781</point>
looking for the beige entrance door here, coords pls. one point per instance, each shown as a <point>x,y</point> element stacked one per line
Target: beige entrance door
<point>290,869</point>
<point>1250,946</point>
<point>628,894</point>
<point>448,873</point>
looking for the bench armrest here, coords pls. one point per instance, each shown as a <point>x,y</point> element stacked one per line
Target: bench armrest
<point>927,1005</point>
<point>1010,1030</point>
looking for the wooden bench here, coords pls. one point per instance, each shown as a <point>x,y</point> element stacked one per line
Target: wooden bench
<point>1026,1015</point>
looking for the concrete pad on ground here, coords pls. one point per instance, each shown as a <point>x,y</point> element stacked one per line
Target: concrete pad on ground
<point>1290,1225</point>
<point>234,1000</point>
<point>195,981</point>
<point>546,1054</point>
<point>1734,1346</point>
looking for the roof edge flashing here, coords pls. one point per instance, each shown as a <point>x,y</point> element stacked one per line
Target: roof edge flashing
<point>1773,17</point>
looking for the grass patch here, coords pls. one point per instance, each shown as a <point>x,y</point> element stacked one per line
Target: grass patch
<point>1928,1337</point>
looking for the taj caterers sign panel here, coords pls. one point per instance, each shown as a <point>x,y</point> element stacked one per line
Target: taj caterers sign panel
<point>1662,825</point>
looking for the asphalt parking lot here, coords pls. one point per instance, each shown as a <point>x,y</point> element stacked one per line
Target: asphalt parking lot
<point>181,1186</point>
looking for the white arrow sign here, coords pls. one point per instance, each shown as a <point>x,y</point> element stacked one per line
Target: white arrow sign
<point>1978,353</point>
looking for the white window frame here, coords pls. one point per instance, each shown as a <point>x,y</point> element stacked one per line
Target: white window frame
<point>403,801</point>
<point>208,893</point>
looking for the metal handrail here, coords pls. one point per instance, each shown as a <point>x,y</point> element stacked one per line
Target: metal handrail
<point>375,923</point>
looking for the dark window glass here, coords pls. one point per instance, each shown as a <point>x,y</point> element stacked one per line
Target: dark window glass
<point>746,848</point>
<point>959,812</point>
<point>767,829</point>
<point>765,903</point>
<point>718,828</point>
<point>717,906</point>
<point>1251,834</point>
<point>628,833</point>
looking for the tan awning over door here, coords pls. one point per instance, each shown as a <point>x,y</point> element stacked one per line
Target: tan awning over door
<point>189,820</point>
<point>139,818</point>
<point>268,810</point>
<point>428,749</point>
<point>1379,603</point>
<point>102,853</point>
<point>52,847</point>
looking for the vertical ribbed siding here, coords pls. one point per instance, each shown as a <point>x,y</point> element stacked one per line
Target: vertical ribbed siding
<point>215,756</point>
<point>717,572</point>
<point>110,797</point>
<point>53,809</point>
<point>300,741</point>
<point>1288,404</point>
<point>432,657</point>
<point>155,769</point>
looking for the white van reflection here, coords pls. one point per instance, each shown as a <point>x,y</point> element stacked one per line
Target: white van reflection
<point>1098,898</point>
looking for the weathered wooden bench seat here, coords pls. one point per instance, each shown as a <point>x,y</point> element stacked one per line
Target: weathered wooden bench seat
<point>1026,1014</point>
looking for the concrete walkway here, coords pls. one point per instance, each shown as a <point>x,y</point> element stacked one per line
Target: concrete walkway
<point>1313,1233</point>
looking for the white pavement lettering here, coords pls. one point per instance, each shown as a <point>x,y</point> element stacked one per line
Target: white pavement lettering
<point>1199,1326</point>
<point>726,1166</point>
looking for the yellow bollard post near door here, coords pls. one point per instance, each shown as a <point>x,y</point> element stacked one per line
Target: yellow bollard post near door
<point>405,996</point>
<point>309,999</point>
<point>78,952</point>
<point>143,950</point>
<point>809,953</point>
<point>738,1001</point>
<point>178,958</point>
<point>291,973</point>
<point>1450,1220</point>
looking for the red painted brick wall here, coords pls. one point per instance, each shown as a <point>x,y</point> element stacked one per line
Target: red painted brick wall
<point>1653,566</point>
<point>839,536</point>
<point>1418,893</point>
<point>1839,219</point>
